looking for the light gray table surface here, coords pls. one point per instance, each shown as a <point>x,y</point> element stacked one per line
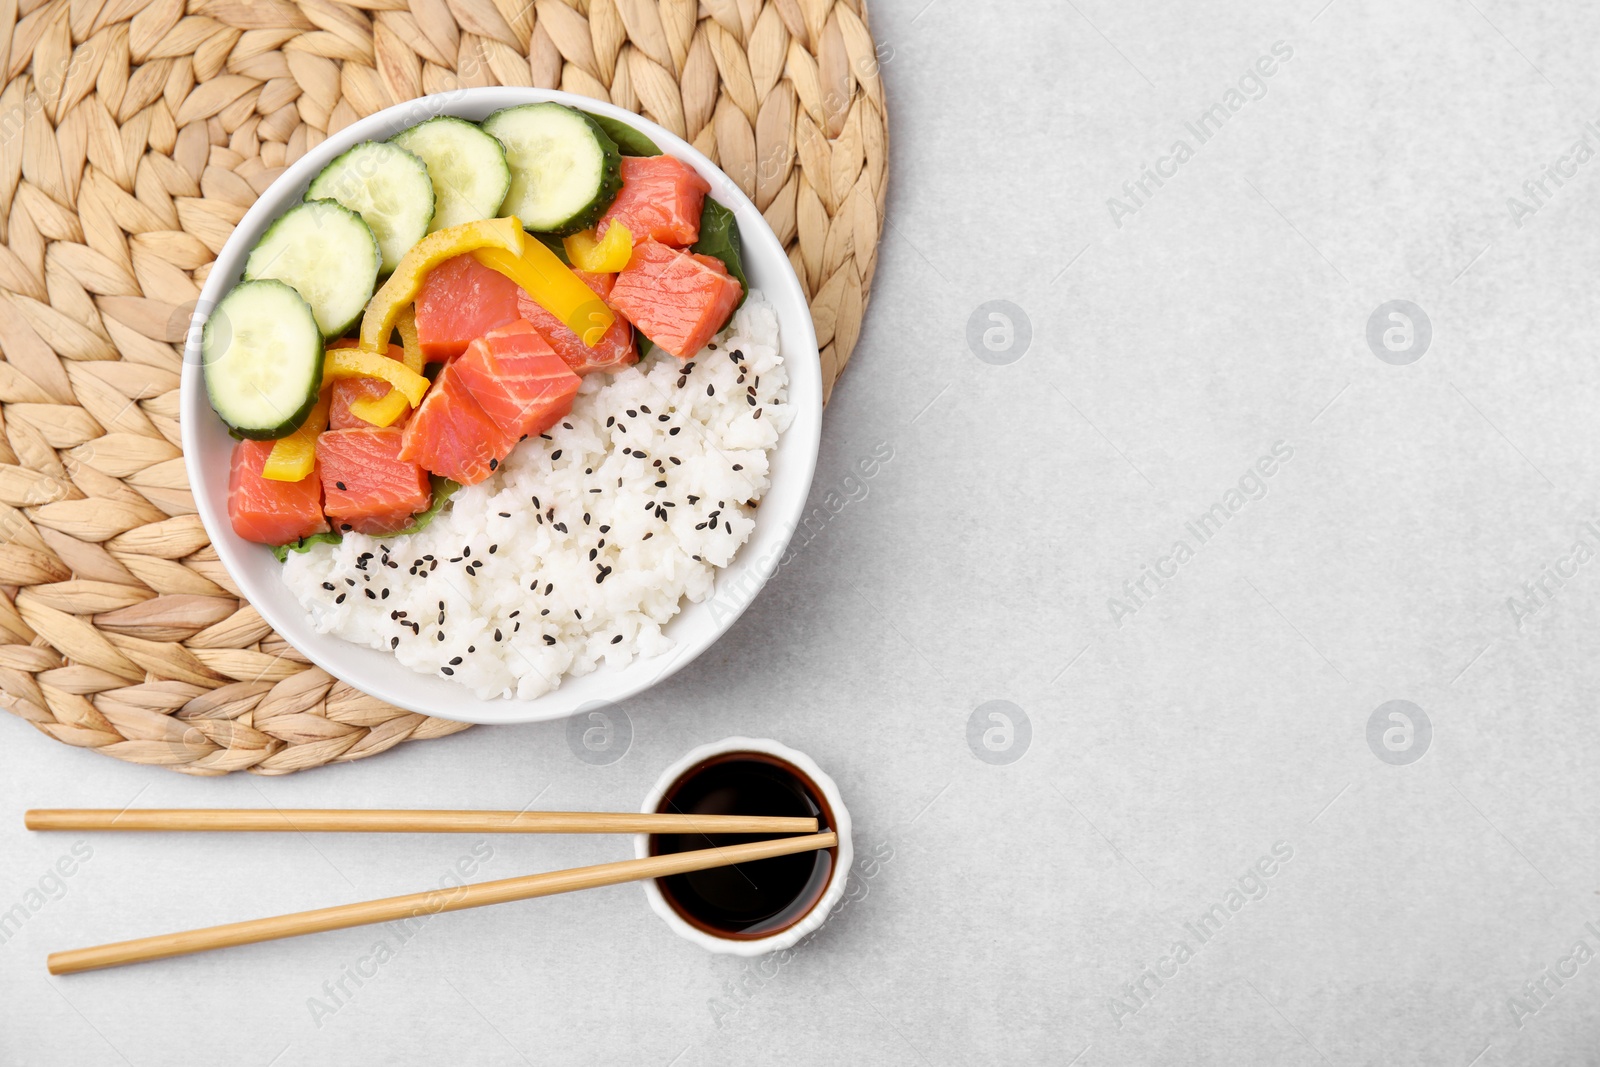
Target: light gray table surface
<point>1038,893</point>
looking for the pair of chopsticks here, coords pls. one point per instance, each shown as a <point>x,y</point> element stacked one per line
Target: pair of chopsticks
<point>433,901</point>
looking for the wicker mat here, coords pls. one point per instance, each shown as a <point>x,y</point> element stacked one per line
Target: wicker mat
<point>133,136</point>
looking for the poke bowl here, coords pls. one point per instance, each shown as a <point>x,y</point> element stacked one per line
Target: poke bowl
<point>501,404</point>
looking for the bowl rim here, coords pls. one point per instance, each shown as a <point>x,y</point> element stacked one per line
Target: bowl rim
<point>838,880</point>
<point>802,360</point>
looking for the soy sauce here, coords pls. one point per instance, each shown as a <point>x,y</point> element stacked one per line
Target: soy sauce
<point>749,900</point>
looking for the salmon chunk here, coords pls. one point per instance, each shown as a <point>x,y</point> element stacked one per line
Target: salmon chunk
<point>677,299</point>
<point>460,301</point>
<point>367,486</point>
<point>660,200</point>
<point>450,434</point>
<point>518,380</point>
<point>615,348</point>
<point>269,512</point>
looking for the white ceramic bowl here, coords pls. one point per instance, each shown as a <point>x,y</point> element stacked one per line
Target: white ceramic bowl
<point>207,447</point>
<point>844,855</point>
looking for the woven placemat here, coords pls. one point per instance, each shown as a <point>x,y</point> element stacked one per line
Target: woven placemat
<point>133,136</point>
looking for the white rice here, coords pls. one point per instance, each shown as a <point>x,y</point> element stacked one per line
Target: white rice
<point>596,478</point>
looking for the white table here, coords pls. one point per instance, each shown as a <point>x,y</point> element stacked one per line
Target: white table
<point>1013,908</point>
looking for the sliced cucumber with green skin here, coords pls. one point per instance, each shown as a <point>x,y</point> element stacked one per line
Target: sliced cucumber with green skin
<point>468,168</point>
<point>388,187</point>
<point>262,353</point>
<point>327,254</point>
<point>565,170</point>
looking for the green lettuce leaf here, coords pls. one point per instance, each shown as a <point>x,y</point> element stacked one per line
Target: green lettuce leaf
<point>630,142</point>
<point>719,238</point>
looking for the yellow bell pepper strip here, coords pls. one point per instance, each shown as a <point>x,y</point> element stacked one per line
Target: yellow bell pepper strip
<point>385,410</point>
<point>382,410</point>
<point>504,235</point>
<point>293,458</point>
<point>407,325</point>
<point>360,363</point>
<point>554,287</point>
<point>605,255</point>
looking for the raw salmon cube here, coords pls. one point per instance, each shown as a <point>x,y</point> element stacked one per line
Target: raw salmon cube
<point>368,488</point>
<point>677,300</point>
<point>460,301</point>
<point>660,200</point>
<point>269,512</point>
<point>615,347</point>
<point>453,436</point>
<point>518,380</point>
<point>347,391</point>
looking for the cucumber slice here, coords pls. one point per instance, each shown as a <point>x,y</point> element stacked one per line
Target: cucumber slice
<point>327,254</point>
<point>468,168</point>
<point>565,170</point>
<point>388,187</point>
<point>262,353</point>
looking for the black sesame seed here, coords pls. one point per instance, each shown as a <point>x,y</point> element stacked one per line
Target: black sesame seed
<point>340,485</point>
<point>385,595</point>
<point>456,662</point>
<point>661,485</point>
<point>757,415</point>
<point>549,640</point>
<point>611,421</point>
<point>447,670</point>
<point>568,425</point>
<point>339,599</point>
<point>550,585</point>
<point>606,528</point>
<point>441,635</point>
<point>738,466</point>
<point>346,527</point>
<point>394,642</point>
<point>616,639</point>
<point>328,586</point>
<point>586,518</point>
<point>593,552</point>
<point>497,636</point>
<point>633,413</point>
<point>546,611</point>
<point>556,454</point>
<point>494,464</point>
<point>493,549</point>
<point>711,390</point>
<point>472,648</point>
<point>674,431</point>
<point>682,381</point>
<point>505,514</point>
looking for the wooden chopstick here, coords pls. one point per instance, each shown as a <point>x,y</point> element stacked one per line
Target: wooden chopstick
<point>329,820</point>
<point>432,902</point>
